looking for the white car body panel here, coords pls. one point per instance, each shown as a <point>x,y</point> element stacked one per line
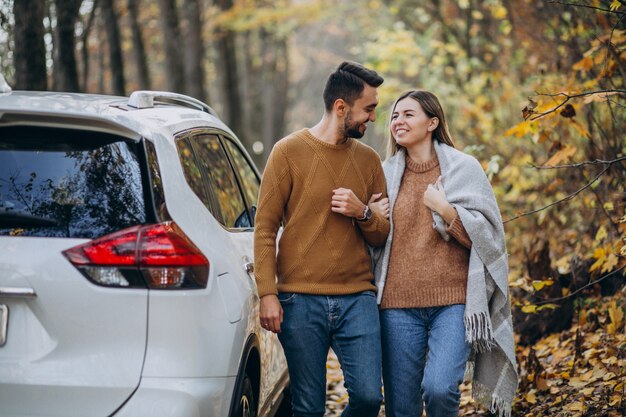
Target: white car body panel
<point>74,343</point>
<point>188,397</point>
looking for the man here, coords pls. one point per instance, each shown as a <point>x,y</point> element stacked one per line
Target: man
<point>317,183</point>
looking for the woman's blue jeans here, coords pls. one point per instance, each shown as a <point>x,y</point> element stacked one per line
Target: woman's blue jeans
<point>350,325</point>
<point>424,358</point>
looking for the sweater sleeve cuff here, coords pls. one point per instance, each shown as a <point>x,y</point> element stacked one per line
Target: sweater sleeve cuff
<point>456,227</point>
<point>375,230</point>
<point>266,287</point>
<point>457,230</point>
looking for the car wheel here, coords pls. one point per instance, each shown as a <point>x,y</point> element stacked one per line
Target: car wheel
<point>246,406</point>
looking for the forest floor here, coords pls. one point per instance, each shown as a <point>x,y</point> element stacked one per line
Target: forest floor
<point>580,372</point>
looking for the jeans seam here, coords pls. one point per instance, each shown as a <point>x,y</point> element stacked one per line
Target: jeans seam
<point>341,362</point>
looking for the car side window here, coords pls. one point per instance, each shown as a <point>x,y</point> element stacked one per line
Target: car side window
<point>192,171</point>
<point>247,177</point>
<point>222,182</point>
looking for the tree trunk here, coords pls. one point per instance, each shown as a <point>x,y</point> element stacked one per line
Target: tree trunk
<point>532,327</point>
<point>173,46</point>
<point>85,45</point>
<point>50,33</point>
<point>252,88</point>
<point>112,30</point>
<point>268,96</point>
<point>281,87</point>
<point>30,51</point>
<point>250,74</point>
<point>65,69</point>
<point>194,50</point>
<point>262,78</point>
<point>101,64</point>
<point>227,59</point>
<point>141,60</point>
<point>274,87</point>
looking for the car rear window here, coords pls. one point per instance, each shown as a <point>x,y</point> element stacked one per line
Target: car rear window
<point>64,183</point>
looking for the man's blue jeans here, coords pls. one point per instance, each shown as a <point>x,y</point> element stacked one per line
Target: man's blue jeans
<point>350,325</point>
<point>424,358</point>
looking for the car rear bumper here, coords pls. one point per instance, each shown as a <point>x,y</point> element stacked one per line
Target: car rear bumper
<point>181,397</point>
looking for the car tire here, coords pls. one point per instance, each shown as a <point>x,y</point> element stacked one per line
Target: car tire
<point>246,402</point>
<point>285,405</point>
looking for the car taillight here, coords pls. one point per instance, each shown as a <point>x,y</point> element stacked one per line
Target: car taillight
<point>159,255</point>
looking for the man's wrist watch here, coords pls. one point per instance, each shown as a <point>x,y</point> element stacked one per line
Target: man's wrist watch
<point>367,214</point>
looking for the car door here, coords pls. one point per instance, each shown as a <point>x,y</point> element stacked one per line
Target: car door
<point>273,358</point>
<point>209,174</point>
<point>229,208</point>
<point>228,185</point>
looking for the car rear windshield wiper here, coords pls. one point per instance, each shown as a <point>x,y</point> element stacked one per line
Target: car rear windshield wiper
<point>12,219</point>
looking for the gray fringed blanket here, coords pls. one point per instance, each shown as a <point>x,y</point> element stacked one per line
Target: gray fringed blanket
<point>488,325</point>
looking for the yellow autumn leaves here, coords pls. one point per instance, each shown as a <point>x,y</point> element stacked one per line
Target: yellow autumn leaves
<point>580,371</point>
<point>616,314</point>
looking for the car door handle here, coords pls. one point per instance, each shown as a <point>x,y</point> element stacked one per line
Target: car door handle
<point>23,292</point>
<point>249,267</point>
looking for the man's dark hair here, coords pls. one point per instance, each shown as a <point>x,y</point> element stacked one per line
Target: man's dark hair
<point>347,83</point>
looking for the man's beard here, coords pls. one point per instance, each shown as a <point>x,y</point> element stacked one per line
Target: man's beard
<point>351,130</point>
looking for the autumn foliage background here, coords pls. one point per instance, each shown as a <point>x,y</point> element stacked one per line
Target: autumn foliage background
<point>535,89</point>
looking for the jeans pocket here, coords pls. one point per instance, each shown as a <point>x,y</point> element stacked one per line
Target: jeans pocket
<point>287,297</point>
<point>369,293</point>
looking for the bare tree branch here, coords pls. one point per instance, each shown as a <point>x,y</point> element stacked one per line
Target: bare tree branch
<point>585,6</point>
<point>568,97</point>
<point>601,204</point>
<point>616,57</point>
<point>615,27</point>
<point>551,300</point>
<point>567,198</point>
<point>616,103</point>
<point>580,164</point>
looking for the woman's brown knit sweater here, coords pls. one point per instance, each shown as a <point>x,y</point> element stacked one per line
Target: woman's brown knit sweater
<point>424,270</point>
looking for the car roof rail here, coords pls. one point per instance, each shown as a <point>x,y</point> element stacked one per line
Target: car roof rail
<point>4,86</point>
<point>144,99</point>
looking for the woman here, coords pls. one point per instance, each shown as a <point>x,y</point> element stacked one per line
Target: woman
<point>442,275</point>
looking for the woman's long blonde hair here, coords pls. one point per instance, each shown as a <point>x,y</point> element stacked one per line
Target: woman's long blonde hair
<point>431,106</point>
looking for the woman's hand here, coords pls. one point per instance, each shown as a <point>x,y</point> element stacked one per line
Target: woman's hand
<point>435,199</point>
<point>379,205</point>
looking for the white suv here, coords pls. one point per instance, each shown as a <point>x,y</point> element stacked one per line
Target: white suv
<point>126,271</point>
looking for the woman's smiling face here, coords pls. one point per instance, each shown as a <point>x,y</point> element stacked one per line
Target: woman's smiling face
<point>410,125</point>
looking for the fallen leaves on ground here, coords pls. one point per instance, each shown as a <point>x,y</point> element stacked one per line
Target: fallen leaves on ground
<point>336,393</point>
<point>580,372</point>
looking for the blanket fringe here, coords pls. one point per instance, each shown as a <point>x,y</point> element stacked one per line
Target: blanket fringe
<point>469,371</point>
<point>478,331</point>
<point>487,398</point>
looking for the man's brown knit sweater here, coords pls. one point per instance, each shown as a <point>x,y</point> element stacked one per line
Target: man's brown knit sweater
<point>424,270</point>
<point>319,252</point>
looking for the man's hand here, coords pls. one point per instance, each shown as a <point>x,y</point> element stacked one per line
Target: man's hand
<point>379,205</point>
<point>271,313</point>
<point>345,202</point>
